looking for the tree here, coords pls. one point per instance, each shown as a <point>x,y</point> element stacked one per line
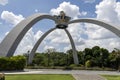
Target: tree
<point>38,58</point>
<point>115,59</point>
<point>70,56</point>
<point>81,57</point>
<point>49,51</point>
<point>104,54</point>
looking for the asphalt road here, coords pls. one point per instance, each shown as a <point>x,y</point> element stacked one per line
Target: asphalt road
<point>57,71</point>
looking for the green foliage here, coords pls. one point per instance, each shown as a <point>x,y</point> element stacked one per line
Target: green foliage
<point>88,64</point>
<point>89,57</point>
<point>12,63</point>
<point>114,59</point>
<point>38,60</point>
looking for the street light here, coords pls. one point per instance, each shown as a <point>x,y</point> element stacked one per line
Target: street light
<point>101,54</point>
<point>27,56</point>
<point>67,58</point>
<point>48,52</point>
<point>84,58</point>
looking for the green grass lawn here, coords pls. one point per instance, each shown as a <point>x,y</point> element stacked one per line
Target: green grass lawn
<point>112,77</point>
<point>39,77</point>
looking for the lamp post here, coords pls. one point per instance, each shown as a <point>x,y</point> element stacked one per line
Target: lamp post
<point>67,59</point>
<point>48,54</point>
<point>27,56</point>
<point>101,54</point>
<point>84,58</point>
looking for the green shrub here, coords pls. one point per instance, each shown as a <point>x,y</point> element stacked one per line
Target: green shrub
<point>88,63</point>
<point>12,63</point>
<point>73,65</point>
<point>67,68</point>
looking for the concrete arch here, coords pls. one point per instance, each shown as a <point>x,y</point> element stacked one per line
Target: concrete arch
<point>111,27</point>
<point>11,41</point>
<point>75,57</point>
<point>32,53</point>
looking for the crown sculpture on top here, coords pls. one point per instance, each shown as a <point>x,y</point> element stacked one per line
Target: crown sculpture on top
<point>62,20</point>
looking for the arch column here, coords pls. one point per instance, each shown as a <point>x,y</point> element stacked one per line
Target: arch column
<point>32,53</point>
<point>75,56</point>
<point>11,41</point>
<point>113,28</point>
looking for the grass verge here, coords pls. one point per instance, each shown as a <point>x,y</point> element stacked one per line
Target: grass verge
<point>39,77</point>
<point>112,77</point>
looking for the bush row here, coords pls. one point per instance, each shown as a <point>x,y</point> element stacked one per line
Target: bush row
<point>12,63</point>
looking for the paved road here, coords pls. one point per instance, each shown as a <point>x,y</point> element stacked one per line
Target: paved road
<point>57,71</point>
<point>77,74</point>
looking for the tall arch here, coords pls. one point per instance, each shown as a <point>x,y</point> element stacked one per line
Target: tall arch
<point>32,53</point>
<point>110,27</point>
<point>75,57</point>
<point>11,41</point>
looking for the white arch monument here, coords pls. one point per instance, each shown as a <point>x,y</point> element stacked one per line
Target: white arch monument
<point>12,40</point>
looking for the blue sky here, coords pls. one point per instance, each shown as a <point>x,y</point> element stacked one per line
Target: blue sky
<point>84,35</point>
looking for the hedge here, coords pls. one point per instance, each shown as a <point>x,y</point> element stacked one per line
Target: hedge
<point>12,63</point>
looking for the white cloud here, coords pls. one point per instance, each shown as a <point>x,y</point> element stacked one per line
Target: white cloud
<point>70,9</point>
<point>38,34</point>
<point>98,35</point>
<point>48,47</point>
<point>29,41</point>
<point>108,10</point>
<point>89,1</point>
<point>6,33</point>
<point>36,10</point>
<point>10,17</point>
<point>96,32</point>
<point>95,35</point>
<point>117,9</point>
<point>67,48</point>
<point>3,2</point>
<point>83,13</point>
<point>59,37</point>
